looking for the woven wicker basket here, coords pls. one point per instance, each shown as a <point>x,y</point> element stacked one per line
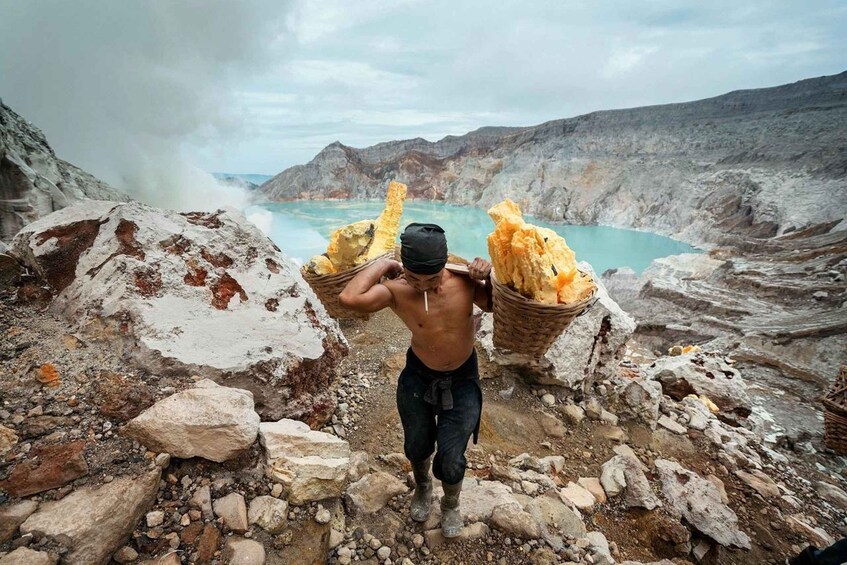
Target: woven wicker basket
<point>835,414</point>
<point>526,326</point>
<point>328,287</point>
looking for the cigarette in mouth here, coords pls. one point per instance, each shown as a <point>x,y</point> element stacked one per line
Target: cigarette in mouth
<point>426,303</point>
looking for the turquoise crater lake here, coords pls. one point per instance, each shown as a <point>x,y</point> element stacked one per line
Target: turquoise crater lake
<point>302,228</point>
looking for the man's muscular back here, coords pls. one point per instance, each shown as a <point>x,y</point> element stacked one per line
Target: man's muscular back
<point>442,338</point>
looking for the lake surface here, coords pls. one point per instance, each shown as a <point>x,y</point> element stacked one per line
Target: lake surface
<point>302,228</point>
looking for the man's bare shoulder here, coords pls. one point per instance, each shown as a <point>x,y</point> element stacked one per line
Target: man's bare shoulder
<point>397,287</point>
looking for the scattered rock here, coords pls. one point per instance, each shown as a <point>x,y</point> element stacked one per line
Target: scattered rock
<point>96,521</point>
<point>8,439</point>
<point>126,554</point>
<point>699,502</point>
<point>202,500</point>
<point>553,427</point>
<point>513,521</point>
<point>435,539</point>
<point>640,399</point>
<point>241,551</point>
<point>669,424</point>
<point>599,547</point>
<point>759,482</point>
<point>233,510</point>
<point>372,492</point>
<point>817,536</point>
<point>310,465</point>
<point>47,468</point>
<point>359,465</point>
<point>574,414</point>
<point>209,421</point>
<point>593,486</point>
<point>832,494</point>
<point>210,539</point>
<point>13,516</point>
<point>557,516</point>
<point>269,513</point>
<point>27,556</point>
<point>578,496</point>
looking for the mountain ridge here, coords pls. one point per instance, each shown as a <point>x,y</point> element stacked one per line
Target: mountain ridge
<point>648,168</point>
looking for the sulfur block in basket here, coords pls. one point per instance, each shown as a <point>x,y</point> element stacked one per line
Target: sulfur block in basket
<point>357,243</point>
<point>536,261</point>
<point>388,223</point>
<point>348,246</point>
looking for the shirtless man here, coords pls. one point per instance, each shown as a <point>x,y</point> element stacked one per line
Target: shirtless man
<point>438,394</point>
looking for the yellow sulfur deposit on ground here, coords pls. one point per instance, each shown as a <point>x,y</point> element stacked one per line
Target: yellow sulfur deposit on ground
<point>535,261</point>
<point>713,408</point>
<point>362,241</point>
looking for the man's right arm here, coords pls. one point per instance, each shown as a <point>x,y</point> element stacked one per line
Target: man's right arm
<point>364,293</point>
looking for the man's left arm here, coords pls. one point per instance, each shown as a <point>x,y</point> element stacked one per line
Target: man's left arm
<point>480,273</point>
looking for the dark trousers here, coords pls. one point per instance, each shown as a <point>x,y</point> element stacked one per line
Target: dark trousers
<point>426,424</point>
<point>836,554</point>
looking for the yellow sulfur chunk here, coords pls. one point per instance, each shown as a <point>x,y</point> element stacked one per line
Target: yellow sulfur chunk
<point>357,243</point>
<point>713,408</point>
<point>536,261</point>
<point>348,245</point>
<point>388,223</point>
<point>320,265</point>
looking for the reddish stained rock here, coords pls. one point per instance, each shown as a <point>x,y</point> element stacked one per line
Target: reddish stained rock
<point>30,291</point>
<point>224,290</point>
<point>210,539</point>
<point>310,312</point>
<point>176,244</point>
<point>127,245</point>
<point>191,532</point>
<point>148,282</point>
<point>59,267</point>
<point>211,221</point>
<point>272,265</point>
<point>216,259</point>
<point>41,425</point>
<point>47,468</point>
<point>196,277</point>
<point>120,399</point>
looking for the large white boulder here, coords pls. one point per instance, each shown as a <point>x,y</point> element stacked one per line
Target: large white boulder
<point>97,521</point>
<point>208,421</point>
<point>191,294</point>
<point>310,465</point>
<point>589,350</point>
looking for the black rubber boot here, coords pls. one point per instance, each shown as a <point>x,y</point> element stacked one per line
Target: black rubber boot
<point>805,557</point>
<point>422,499</point>
<point>451,517</point>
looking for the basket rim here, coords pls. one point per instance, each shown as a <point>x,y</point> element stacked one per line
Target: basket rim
<point>341,275</point>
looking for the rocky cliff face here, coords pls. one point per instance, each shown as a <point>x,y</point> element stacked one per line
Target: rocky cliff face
<point>752,163</point>
<point>33,181</point>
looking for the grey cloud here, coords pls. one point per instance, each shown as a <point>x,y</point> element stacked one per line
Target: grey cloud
<point>249,87</point>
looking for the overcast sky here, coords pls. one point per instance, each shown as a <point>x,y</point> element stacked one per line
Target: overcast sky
<point>147,95</point>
